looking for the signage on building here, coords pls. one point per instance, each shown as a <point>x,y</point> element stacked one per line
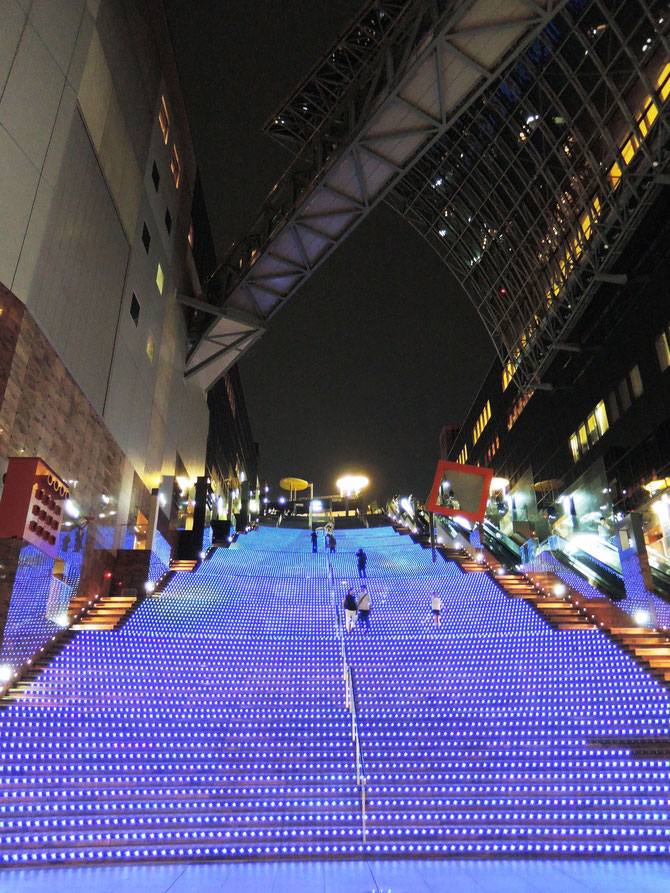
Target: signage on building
<point>32,504</point>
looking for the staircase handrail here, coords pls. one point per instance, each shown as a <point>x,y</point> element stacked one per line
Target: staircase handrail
<point>350,698</point>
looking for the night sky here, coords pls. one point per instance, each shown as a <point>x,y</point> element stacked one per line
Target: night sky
<point>381,347</point>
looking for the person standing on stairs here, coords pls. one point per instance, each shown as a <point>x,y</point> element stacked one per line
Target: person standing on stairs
<point>364,605</point>
<point>436,607</point>
<point>362,561</point>
<point>350,610</point>
<point>315,542</point>
<point>331,544</point>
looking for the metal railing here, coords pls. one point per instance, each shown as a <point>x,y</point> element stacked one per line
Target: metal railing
<point>350,700</point>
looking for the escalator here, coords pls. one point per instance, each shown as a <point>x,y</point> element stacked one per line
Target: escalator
<point>506,549</point>
<point>594,559</point>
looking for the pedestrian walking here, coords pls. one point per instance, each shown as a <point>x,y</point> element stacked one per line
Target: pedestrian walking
<point>364,606</point>
<point>436,607</point>
<point>362,561</point>
<point>315,541</point>
<point>350,610</point>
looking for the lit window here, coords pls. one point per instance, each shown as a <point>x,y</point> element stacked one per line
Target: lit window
<point>151,346</point>
<point>592,429</point>
<point>164,120</point>
<point>647,117</point>
<point>601,418</point>
<point>175,166</point>
<point>519,405</point>
<point>160,278</point>
<point>629,149</point>
<point>191,236</point>
<point>583,439</point>
<point>508,374</point>
<point>636,382</point>
<point>480,424</point>
<point>574,446</point>
<point>663,82</point>
<point>663,351</point>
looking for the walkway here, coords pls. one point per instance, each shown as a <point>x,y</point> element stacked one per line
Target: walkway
<point>448,876</point>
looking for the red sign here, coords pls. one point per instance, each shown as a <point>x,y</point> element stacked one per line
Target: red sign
<point>460,490</point>
<point>33,500</point>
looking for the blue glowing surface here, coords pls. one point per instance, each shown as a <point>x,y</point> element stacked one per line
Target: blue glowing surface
<point>212,724</point>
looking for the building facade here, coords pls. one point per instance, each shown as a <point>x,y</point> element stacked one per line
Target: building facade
<point>102,228</point>
<point>605,412</point>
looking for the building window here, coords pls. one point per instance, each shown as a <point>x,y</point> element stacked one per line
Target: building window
<point>146,238</point>
<point>624,395</point>
<point>583,439</point>
<point>164,120</point>
<point>518,407</point>
<point>168,220</point>
<point>613,407</point>
<point>588,434</point>
<point>151,347</point>
<point>463,455</point>
<point>663,349</point>
<point>480,424</point>
<point>135,309</point>
<point>155,176</point>
<point>574,447</point>
<point>636,382</point>
<point>508,374</point>
<point>600,414</point>
<point>160,278</point>
<point>492,450</point>
<point>175,166</point>
<point>191,236</point>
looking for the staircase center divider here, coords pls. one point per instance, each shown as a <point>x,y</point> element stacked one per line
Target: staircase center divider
<point>350,696</point>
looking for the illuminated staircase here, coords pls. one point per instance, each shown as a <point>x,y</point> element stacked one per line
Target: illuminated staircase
<point>109,612</point>
<point>462,559</point>
<point>212,724</point>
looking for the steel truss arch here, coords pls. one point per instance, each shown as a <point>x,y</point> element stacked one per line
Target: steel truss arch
<point>531,197</point>
<point>436,59</point>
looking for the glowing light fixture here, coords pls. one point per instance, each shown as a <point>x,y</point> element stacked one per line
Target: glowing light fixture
<point>71,508</point>
<point>406,506</point>
<point>641,617</point>
<point>498,484</point>
<point>656,486</point>
<point>352,484</point>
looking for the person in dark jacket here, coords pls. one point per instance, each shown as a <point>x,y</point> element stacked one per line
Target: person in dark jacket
<point>315,541</point>
<point>331,544</point>
<point>350,610</point>
<point>362,561</point>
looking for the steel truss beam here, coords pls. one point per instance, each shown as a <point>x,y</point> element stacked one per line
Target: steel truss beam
<point>437,59</point>
<point>532,196</point>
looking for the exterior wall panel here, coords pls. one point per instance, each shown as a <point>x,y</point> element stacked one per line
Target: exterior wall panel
<point>76,292</point>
